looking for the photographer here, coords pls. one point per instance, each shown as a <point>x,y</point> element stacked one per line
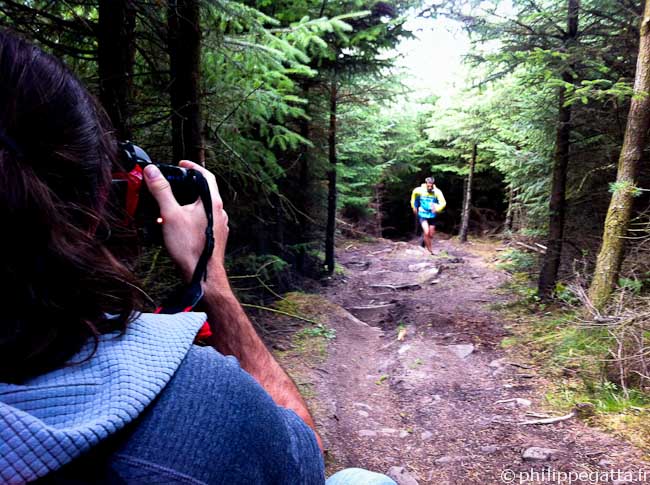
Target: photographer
<point>91,389</point>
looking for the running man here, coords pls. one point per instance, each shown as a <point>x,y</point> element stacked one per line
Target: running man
<point>427,201</point>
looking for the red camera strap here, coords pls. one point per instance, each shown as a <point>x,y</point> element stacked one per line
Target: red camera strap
<point>134,181</point>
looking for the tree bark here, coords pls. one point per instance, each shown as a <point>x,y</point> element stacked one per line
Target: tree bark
<point>509,213</point>
<point>184,45</point>
<point>115,61</point>
<point>378,213</point>
<point>611,252</point>
<point>464,226</point>
<point>302,194</point>
<point>557,206</point>
<point>331,177</point>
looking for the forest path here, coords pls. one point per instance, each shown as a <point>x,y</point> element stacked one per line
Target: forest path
<point>430,402</point>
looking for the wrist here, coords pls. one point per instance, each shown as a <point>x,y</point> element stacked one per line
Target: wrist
<point>217,283</point>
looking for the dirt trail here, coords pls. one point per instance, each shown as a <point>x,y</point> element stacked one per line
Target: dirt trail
<point>430,403</point>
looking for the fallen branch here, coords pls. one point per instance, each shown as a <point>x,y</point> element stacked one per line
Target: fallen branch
<point>406,286</point>
<point>537,415</point>
<point>531,248</point>
<point>360,264</point>
<point>350,227</point>
<point>286,314</point>
<point>319,369</point>
<point>372,307</point>
<point>572,414</point>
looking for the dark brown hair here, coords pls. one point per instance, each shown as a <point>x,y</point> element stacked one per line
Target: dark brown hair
<point>56,151</point>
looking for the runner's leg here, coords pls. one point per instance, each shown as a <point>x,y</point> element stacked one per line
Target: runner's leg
<point>425,233</point>
<point>432,231</point>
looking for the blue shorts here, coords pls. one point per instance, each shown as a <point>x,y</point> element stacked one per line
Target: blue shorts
<point>430,220</point>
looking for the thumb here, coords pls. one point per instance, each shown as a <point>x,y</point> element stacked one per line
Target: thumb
<point>160,189</point>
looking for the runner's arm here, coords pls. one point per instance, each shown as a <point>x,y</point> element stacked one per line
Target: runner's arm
<point>415,200</point>
<point>442,203</point>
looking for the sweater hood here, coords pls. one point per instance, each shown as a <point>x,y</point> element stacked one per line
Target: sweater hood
<point>48,421</point>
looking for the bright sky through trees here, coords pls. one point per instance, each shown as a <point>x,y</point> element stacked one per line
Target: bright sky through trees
<point>432,60</point>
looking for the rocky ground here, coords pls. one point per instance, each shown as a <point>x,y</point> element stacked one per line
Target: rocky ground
<point>415,383</point>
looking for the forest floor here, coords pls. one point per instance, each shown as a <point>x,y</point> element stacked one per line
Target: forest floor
<point>405,375</point>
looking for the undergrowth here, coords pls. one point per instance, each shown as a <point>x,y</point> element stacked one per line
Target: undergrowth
<point>312,340</point>
<point>309,344</point>
<point>575,358</point>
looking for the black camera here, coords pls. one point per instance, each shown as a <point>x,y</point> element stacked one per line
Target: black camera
<point>131,194</point>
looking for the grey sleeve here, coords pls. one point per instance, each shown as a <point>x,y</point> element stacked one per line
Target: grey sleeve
<point>304,449</point>
<point>215,424</point>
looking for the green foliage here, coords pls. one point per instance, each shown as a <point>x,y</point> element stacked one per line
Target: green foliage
<point>258,274</point>
<point>382,378</point>
<point>516,261</point>
<point>265,266</point>
<point>565,295</point>
<point>625,186</point>
<point>251,67</point>
<point>600,90</point>
<point>319,330</point>
<point>632,285</point>
<point>366,145</point>
<point>574,360</point>
<point>607,397</point>
<point>519,284</point>
<point>519,63</point>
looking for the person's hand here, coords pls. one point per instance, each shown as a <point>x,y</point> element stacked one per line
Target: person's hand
<point>184,226</point>
<point>415,212</point>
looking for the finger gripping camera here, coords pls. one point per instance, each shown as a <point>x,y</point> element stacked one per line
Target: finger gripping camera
<point>132,195</point>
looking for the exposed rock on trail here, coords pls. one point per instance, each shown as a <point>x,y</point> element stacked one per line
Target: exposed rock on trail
<point>441,404</point>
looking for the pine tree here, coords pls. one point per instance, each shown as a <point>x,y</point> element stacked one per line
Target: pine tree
<point>184,44</point>
<point>610,256</point>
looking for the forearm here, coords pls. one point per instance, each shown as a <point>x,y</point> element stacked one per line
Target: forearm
<point>234,334</point>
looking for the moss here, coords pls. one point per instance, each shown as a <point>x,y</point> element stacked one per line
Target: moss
<point>508,342</point>
<point>309,344</point>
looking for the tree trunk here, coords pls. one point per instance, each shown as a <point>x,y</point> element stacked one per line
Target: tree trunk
<point>378,213</point>
<point>464,226</point>
<point>331,177</point>
<point>509,213</point>
<point>610,257</point>
<point>184,44</point>
<point>557,206</point>
<point>301,197</point>
<point>115,61</point>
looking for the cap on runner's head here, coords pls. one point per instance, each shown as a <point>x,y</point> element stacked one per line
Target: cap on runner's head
<point>429,180</point>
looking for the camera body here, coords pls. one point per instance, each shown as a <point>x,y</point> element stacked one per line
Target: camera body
<point>130,193</point>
